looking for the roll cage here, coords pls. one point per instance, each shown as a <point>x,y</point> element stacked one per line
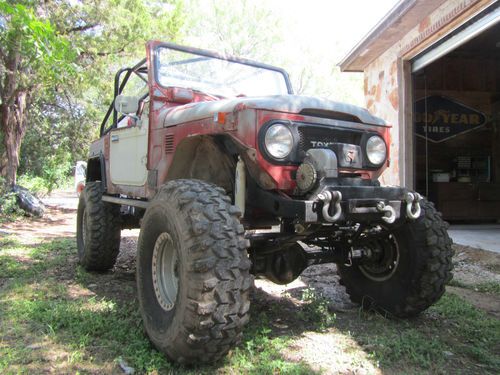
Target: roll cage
<point>140,69</point>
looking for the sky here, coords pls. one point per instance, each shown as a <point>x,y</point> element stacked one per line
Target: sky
<point>306,38</point>
<point>318,34</point>
<point>326,23</point>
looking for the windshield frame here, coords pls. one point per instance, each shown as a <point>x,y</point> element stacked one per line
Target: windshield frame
<point>215,55</point>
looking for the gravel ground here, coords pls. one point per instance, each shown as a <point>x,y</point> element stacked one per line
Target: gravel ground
<point>475,266</point>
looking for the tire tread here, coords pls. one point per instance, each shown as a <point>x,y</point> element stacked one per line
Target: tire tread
<point>217,276</point>
<point>436,273</point>
<point>103,246</point>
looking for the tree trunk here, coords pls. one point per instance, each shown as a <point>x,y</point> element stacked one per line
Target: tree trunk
<point>3,164</point>
<point>14,127</point>
<point>13,112</point>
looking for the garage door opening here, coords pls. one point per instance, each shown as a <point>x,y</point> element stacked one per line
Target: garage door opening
<point>457,129</point>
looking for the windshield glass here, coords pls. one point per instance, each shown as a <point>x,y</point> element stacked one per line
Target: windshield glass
<point>216,76</point>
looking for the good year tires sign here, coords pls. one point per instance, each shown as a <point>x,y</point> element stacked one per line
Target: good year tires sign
<point>438,118</point>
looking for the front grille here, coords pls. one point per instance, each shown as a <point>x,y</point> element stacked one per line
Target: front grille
<point>322,137</point>
<point>344,142</point>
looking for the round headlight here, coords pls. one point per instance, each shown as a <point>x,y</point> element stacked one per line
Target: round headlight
<point>278,141</point>
<point>376,150</point>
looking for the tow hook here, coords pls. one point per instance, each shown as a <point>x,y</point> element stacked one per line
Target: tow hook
<point>327,197</point>
<point>389,213</point>
<point>413,205</point>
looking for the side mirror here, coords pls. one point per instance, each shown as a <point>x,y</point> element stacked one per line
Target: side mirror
<point>126,104</point>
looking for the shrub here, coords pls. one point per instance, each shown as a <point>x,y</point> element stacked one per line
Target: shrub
<point>9,209</point>
<point>57,169</point>
<point>36,185</point>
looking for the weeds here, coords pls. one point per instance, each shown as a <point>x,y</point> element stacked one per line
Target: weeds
<point>316,309</point>
<point>489,287</point>
<point>36,185</point>
<point>9,210</point>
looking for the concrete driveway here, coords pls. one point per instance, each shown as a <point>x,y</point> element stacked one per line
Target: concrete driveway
<point>482,236</point>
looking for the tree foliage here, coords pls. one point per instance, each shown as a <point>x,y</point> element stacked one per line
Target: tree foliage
<point>58,84</point>
<point>32,56</point>
<point>42,50</point>
<point>245,28</point>
<point>68,53</point>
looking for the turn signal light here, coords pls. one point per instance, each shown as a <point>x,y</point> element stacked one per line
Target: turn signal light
<point>220,118</point>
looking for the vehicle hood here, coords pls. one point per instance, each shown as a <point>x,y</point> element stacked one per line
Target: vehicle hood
<point>278,103</point>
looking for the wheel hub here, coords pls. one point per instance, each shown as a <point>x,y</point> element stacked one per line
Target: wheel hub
<point>165,271</point>
<point>384,259</point>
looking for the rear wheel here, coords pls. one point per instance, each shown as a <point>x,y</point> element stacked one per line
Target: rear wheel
<point>97,229</point>
<point>408,266</point>
<point>193,272</point>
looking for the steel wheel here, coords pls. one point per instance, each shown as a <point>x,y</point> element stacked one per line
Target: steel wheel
<point>165,271</point>
<point>384,259</point>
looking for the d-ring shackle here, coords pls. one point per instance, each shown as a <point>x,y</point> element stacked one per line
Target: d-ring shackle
<point>327,197</point>
<point>413,209</point>
<point>389,212</point>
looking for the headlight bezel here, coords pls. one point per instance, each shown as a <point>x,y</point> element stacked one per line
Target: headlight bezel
<point>291,157</point>
<point>285,131</point>
<point>375,163</point>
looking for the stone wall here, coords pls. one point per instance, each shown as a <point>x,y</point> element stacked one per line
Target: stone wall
<point>381,93</point>
<point>381,76</point>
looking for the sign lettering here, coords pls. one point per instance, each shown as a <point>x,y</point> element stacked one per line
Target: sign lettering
<point>439,118</point>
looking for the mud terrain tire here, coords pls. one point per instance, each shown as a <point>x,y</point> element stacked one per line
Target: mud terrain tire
<point>97,229</point>
<point>201,318</point>
<point>423,270</point>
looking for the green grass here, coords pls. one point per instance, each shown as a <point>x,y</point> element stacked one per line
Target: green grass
<point>44,304</point>
<point>433,342</point>
<point>479,332</point>
<point>53,314</point>
<point>398,343</point>
<point>260,352</point>
<point>25,261</point>
<point>94,328</point>
<point>489,287</point>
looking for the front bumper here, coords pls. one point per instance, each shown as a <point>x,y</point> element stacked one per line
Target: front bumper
<point>338,204</point>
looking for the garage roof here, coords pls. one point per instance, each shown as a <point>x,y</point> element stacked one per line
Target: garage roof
<point>403,17</point>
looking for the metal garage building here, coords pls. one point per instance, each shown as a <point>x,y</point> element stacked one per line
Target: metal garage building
<point>432,70</point>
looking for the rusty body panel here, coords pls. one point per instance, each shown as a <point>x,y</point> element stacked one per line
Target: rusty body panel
<point>179,115</point>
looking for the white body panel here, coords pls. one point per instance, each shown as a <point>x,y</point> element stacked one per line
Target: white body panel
<point>128,155</point>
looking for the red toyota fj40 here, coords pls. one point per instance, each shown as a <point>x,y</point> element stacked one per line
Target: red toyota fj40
<point>211,152</point>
